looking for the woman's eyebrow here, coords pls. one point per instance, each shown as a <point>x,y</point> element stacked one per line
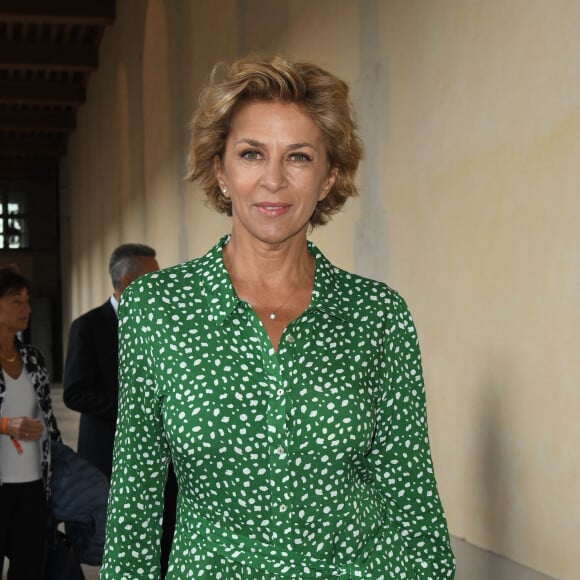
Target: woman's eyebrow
<point>256,143</point>
<point>251,142</point>
<point>300,145</point>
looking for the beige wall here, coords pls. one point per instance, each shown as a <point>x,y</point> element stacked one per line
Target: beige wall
<point>471,116</point>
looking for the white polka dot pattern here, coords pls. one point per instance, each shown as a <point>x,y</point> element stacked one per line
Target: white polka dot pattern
<point>309,462</point>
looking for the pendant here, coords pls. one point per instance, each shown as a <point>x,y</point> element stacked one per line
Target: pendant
<point>272,316</point>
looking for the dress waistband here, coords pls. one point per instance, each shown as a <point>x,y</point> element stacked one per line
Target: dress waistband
<point>270,558</point>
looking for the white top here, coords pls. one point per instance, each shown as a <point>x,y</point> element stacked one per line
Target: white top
<point>20,401</point>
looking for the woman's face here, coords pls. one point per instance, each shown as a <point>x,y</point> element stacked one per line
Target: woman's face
<point>275,170</point>
<point>14,311</point>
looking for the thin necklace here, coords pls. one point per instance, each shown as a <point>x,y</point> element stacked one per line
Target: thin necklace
<point>274,313</point>
<point>9,359</point>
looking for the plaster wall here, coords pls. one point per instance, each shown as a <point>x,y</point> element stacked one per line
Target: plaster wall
<point>469,206</point>
<point>483,208</point>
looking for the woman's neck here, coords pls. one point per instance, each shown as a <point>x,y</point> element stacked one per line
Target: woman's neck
<point>269,265</point>
<point>276,280</point>
<point>7,342</point>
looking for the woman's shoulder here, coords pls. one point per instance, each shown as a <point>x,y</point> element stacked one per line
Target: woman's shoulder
<point>373,297</point>
<point>30,351</point>
<point>352,280</point>
<point>34,360</point>
<point>184,273</point>
<point>187,278</point>
<point>355,291</point>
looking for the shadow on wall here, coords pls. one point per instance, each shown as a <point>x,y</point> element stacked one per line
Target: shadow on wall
<point>498,465</point>
<point>501,439</point>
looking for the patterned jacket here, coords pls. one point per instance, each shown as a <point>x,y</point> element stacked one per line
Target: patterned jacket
<point>36,368</point>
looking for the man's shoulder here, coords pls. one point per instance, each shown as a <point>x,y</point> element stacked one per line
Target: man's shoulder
<point>96,315</point>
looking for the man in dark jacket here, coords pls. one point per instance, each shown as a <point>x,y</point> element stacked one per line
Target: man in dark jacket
<point>91,384</point>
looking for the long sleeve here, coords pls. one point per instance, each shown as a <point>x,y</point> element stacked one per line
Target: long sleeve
<point>86,388</point>
<point>400,458</point>
<point>45,402</point>
<point>140,455</point>
<point>37,370</point>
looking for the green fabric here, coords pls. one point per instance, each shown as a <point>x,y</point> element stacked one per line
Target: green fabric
<point>312,462</point>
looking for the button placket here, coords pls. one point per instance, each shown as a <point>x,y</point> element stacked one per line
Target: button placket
<point>278,434</point>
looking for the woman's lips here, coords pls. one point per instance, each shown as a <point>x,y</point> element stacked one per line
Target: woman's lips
<point>269,209</point>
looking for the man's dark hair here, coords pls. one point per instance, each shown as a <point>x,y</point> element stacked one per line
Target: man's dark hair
<point>122,262</point>
<point>11,281</point>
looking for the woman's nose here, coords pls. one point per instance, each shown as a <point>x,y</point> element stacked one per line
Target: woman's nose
<point>274,177</point>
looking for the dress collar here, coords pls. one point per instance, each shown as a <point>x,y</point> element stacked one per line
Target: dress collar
<point>223,300</point>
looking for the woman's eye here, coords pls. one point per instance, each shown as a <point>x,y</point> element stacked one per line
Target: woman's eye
<point>250,154</point>
<point>300,157</point>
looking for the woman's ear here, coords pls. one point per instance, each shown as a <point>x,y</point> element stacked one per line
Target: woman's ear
<point>330,181</point>
<point>217,164</point>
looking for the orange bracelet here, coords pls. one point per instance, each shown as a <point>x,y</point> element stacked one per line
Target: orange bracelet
<point>4,430</point>
<point>17,445</point>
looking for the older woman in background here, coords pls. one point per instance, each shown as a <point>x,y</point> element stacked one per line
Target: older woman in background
<point>26,426</point>
<point>287,392</point>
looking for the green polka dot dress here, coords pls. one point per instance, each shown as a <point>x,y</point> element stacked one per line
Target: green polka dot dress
<point>309,462</point>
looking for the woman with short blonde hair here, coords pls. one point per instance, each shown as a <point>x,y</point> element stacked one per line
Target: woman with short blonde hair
<point>287,392</point>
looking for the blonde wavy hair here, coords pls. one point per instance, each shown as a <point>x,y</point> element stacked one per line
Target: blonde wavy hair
<point>321,95</point>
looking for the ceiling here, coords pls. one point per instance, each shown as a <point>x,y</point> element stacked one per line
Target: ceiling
<point>48,50</point>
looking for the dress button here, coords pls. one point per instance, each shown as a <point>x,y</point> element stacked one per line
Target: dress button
<point>280,451</point>
<point>290,339</point>
<point>280,392</point>
<point>283,508</point>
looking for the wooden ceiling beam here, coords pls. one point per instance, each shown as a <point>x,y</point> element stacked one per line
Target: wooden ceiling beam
<point>42,121</point>
<point>48,57</point>
<point>48,49</point>
<point>88,12</point>
<point>41,93</point>
<point>19,146</point>
<point>28,167</point>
